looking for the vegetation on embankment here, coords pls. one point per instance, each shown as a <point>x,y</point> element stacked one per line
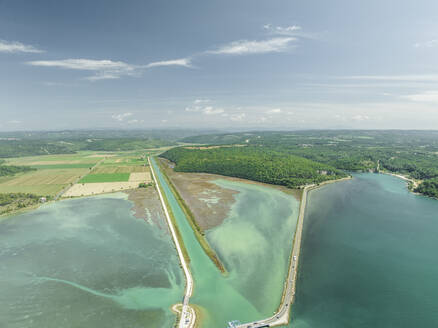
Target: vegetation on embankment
<point>13,202</point>
<point>174,223</point>
<point>428,188</point>
<point>253,163</point>
<point>199,233</point>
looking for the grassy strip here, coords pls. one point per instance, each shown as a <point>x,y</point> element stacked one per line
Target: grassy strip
<point>175,225</point>
<point>199,233</point>
<point>105,177</point>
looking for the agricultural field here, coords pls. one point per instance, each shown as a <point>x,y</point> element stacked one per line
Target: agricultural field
<point>94,188</point>
<point>64,161</point>
<point>80,174</point>
<point>47,182</point>
<point>105,177</point>
<point>120,169</point>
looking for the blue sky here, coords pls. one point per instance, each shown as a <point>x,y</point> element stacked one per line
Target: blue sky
<point>218,64</point>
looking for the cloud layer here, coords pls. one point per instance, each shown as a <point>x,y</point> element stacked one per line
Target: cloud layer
<point>16,47</point>
<point>245,47</point>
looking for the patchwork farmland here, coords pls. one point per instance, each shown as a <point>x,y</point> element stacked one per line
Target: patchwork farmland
<point>82,174</point>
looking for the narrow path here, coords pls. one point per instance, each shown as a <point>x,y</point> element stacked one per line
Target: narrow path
<point>188,315</point>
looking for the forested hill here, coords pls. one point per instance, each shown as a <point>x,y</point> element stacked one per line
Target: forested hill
<point>253,163</point>
<point>411,153</point>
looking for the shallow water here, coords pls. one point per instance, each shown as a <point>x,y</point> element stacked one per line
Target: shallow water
<point>87,263</point>
<point>254,243</point>
<point>368,257</point>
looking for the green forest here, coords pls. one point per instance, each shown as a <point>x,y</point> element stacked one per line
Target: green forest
<point>411,153</point>
<point>253,163</point>
<point>429,188</point>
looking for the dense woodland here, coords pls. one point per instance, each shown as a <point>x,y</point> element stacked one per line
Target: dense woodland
<point>253,163</point>
<point>429,188</point>
<point>411,153</point>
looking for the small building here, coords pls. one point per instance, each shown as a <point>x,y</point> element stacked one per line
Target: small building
<point>43,199</point>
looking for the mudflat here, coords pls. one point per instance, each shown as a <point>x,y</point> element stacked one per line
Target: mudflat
<point>209,202</point>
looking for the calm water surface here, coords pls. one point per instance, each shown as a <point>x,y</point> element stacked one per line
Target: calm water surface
<point>369,257</point>
<point>254,243</point>
<point>86,263</point>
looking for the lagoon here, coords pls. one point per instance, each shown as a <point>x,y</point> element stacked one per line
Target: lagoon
<point>254,243</point>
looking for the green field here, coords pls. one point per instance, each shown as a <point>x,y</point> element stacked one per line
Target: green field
<point>64,166</point>
<point>120,169</point>
<point>105,177</point>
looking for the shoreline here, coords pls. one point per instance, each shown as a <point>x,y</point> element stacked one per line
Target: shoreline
<point>414,182</point>
<point>191,219</point>
<point>282,315</point>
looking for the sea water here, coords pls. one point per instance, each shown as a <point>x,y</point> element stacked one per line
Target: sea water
<point>369,257</point>
<point>87,263</point>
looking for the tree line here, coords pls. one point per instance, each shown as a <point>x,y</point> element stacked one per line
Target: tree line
<point>253,163</point>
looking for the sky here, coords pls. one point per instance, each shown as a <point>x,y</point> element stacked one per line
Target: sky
<point>218,64</point>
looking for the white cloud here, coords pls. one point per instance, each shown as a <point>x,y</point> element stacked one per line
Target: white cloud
<point>428,97</point>
<point>14,122</point>
<point>274,111</point>
<point>360,117</point>
<point>193,109</point>
<point>245,47</point>
<point>105,69</point>
<point>287,30</point>
<point>427,44</point>
<point>209,110</point>
<point>14,47</point>
<point>84,64</point>
<point>186,62</point>
<point>237,117</point>
<point>201,101</point>
<point>120,117</point>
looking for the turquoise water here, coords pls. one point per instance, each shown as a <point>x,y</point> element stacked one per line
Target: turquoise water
<point>87,263</point>
<point>254,244</point>
<point>369,257</point>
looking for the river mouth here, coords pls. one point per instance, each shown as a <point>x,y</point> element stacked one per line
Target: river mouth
<point>87,262</point>
<point>368,256</point>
